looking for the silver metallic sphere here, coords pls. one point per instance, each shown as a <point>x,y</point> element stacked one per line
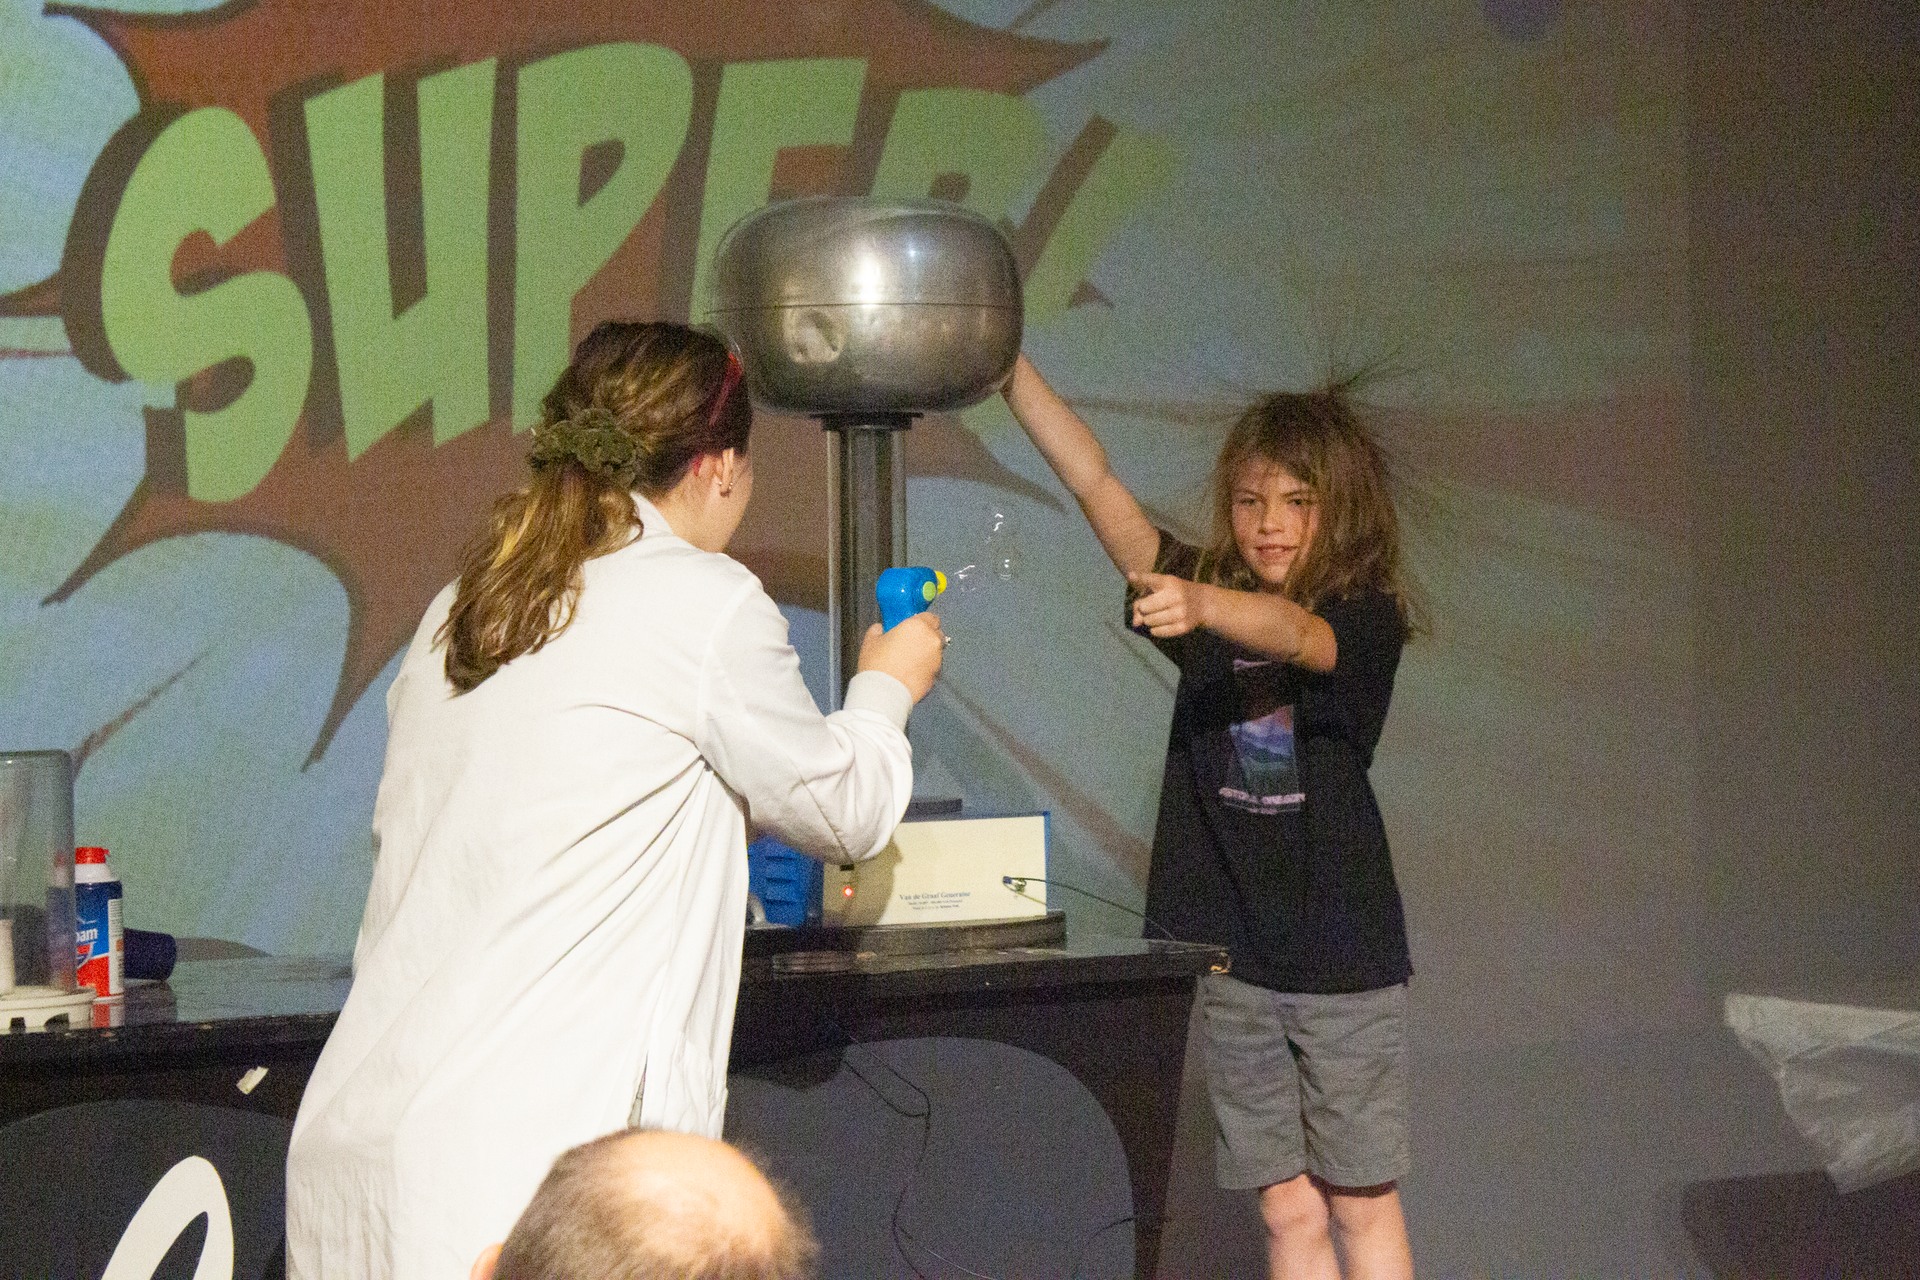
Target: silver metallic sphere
<point>857,306</point>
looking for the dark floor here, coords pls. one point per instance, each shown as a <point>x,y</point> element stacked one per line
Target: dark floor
<point>1646,1156</point>
<point>1652,1155</point>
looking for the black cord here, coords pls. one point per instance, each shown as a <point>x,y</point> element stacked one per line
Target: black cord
<point>924,1115</point>
<point>1087,1244</point>
<point>1019,885</point>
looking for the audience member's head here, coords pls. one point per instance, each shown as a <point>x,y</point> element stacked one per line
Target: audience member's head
<point>654,1205</point>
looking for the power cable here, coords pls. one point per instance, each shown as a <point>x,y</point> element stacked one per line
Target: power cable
<point>1019,886</point>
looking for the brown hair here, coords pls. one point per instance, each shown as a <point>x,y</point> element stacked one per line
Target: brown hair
<point>638,404</point>
<point>1321,439</point>
<point>591,1220</point>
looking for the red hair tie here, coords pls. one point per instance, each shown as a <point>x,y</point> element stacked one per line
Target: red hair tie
<point>727,384</point>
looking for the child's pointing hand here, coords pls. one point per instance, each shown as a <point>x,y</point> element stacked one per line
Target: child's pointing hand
<point>1167,606</point>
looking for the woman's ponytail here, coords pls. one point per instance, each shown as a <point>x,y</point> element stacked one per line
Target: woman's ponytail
<point>518,584</point>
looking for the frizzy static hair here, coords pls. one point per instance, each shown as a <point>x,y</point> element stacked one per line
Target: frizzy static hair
<point>1322,438</point>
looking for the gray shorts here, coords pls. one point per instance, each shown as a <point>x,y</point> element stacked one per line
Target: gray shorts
<point>1306,1084</point>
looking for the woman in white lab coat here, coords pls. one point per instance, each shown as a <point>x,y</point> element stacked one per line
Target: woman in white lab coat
<point>579,737</point>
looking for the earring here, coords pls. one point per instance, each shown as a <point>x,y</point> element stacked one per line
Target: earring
<point>725,490</point>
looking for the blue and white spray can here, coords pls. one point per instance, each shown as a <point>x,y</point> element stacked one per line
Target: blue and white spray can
<point>99,937</point>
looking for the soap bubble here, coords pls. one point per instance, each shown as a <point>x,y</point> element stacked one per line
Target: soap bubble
<point>1003,546</point>
<point>999,560</point>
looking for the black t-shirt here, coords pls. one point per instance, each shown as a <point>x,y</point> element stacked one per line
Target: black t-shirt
<point>1269,841</point>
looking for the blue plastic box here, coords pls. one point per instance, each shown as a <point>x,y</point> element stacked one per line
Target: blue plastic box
<point>786,882</point>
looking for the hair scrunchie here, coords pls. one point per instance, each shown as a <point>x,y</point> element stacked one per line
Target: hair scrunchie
<point>593,438</point>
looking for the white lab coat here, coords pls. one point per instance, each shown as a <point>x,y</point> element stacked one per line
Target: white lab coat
<point>558,901</point>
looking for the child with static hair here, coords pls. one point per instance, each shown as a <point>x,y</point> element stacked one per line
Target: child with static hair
<point>578,737</point>
<point>1287,628</point>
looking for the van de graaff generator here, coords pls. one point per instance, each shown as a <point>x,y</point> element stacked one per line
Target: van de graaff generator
<point>865,314</point>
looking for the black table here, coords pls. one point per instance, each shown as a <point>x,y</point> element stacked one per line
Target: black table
<point>1112,1011</point>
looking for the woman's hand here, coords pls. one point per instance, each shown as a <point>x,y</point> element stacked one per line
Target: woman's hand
<point>911,653</point>
<point>1168,606</point>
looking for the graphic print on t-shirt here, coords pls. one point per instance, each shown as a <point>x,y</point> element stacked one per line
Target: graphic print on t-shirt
<point>1268,773</point>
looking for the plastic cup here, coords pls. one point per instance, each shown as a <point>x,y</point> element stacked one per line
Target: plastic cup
<point>36,867</point>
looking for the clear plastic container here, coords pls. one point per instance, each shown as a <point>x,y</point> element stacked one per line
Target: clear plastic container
<point>36,870</point>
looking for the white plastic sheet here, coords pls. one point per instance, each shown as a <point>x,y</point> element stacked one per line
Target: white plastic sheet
<point>1849,1078</point>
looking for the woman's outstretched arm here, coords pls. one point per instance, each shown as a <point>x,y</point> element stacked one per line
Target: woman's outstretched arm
<point>1070,448</point>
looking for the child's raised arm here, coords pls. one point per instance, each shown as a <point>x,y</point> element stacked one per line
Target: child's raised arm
<point>1076,457</point>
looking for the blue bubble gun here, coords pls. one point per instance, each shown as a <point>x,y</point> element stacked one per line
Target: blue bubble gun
<point>902,593</point>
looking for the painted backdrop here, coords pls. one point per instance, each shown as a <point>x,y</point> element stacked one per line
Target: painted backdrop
<point>282,283</point>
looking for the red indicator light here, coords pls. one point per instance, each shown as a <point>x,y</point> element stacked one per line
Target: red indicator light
<point>848,891</point>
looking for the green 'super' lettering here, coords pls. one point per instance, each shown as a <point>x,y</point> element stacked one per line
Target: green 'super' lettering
<point>437,349</point>
<point>206,172</point>
<point>764,107</point>
<point>996,141</point>
<point>639,96</point>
